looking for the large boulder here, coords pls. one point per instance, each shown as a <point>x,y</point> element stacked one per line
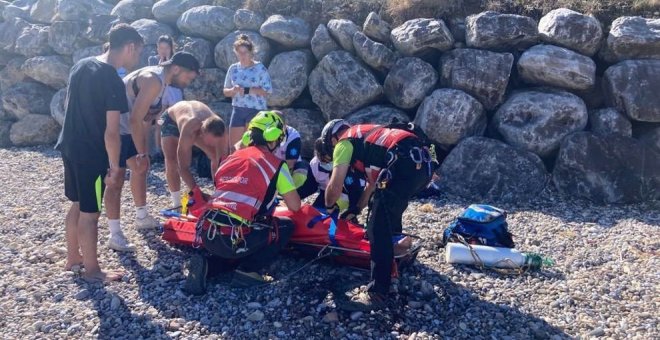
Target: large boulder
<point>289,72</point>
<point>71,10</point>
<point>376,28</point>
<point>448,116</point>
<point>482,74</point>
<point>9,31</point>
<point>169,11</point>
<point>500,32</point>
<point>651,138</point>
<point>66,37</point>
<point>18,9</point>
<point>99,26</point>
<point>26,98</point>
<point>631,86</point>
<point>147,52</point>
<point>607,169</point>
<point>245,19</point>
<point>342,31</point>
<point>87,52</point>
<point>5,128</point>
<point>208,22</point>
<point>609,121</point>
<point>483,169</point>
<point>322,43</point>
<point>151,30</point>
<point>5,57</point>
<point>421,35</point>
<point>224,50</point>
<point>377,114</point>
<point>12,74</point>
<point>409,81</point>
<point>200,48</point>
<point>132,10</point>
<point>207,87</point>
<point>33,130</point>
<point>570,29</point>
<point>634,38</point>
<point>340,85</point>
<point>58,106</point>
<point>289,32</point>
<point>538,120</point>
<point>375,54</point>
<point>309,124</point>
<point>33,41</point>
<point>50,70</point>
<point>43,11</point>
<point>557,66</point>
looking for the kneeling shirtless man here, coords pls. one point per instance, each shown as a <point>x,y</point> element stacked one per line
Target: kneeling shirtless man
<point>184,125</point>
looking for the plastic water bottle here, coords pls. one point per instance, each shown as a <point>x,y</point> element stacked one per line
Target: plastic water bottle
<point>459,253</point>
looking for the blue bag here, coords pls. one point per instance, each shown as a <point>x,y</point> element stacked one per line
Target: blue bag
<point>480,224</point>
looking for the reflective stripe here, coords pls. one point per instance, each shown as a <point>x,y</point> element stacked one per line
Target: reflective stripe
<point>262,170</point>
<point>239,198</point>
<point>381,140</point>
<point>272,168</point>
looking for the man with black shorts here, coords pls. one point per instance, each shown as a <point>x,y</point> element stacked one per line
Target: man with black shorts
<point>144,89</point>
<point>90,144</point>
<point>182,126</point>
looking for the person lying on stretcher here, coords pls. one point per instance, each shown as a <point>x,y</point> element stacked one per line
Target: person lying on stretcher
<point>238,225</point>
<point>318,173</point>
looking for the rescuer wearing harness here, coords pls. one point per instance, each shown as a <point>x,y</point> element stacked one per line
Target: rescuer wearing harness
<point>238,224</point>
<point>396,161</point>
<point>317,174</point>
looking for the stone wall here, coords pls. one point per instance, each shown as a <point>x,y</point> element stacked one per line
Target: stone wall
<point>517,105</point>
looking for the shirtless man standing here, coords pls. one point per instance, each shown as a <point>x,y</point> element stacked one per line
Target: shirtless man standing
<point>184,125</point>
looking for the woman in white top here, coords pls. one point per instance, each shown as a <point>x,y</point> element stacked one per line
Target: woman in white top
<point>248,84</point>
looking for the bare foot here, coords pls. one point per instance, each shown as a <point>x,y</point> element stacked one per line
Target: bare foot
<point>103,276</point>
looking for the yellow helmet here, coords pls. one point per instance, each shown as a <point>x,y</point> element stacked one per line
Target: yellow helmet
<point>269,122</point>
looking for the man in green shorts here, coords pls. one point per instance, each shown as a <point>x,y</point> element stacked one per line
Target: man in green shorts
<point>90,144</point>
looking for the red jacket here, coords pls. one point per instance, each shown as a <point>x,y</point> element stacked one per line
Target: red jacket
<point>242,180</point>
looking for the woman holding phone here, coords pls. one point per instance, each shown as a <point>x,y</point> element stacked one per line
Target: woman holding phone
<point>247,83</point>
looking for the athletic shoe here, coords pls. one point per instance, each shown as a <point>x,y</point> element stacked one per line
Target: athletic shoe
<point>146,223</point>
<point>198,268</point>
<point>364,302</point>
<point>243,279</point>
<point>119,242</point>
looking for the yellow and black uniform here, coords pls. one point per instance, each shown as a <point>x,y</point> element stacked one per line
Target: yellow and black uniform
<point>399,163</point>
<point>94,89</point>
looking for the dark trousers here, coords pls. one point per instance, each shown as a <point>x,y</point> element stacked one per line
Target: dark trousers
<point>259,249</point>
<point>387,209</point>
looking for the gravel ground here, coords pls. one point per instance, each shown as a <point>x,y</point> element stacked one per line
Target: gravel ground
<point>604,283</point>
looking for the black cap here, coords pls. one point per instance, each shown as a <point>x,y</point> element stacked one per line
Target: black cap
<point>183,59</point>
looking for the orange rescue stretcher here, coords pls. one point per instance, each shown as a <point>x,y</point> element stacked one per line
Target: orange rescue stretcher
<point>315,234</point>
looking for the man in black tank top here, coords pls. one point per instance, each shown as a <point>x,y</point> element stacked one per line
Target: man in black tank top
<point>144,90</point>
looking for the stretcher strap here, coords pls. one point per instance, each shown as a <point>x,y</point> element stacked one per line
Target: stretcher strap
<point>332,231</point>
<point>317,219</point>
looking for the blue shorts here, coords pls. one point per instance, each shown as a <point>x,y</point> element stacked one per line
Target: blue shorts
<point>241,116</point>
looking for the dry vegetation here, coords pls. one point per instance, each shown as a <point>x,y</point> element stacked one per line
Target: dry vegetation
<point>605,10</point>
